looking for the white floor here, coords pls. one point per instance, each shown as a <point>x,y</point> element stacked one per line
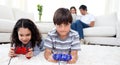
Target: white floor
<point>89,55</point>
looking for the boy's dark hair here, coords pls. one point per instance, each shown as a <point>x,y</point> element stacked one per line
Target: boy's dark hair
<point>26,23</point>
<point>73,8</point>
<point>84,7</point>
<point>62,16</point>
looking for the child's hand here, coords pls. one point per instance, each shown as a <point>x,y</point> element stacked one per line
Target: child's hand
<point>48,55</point>
<point>29,54</point>
<point>50,59</point>
<point>12,52</point>
<point>74,57</point>
<point>72,61</point>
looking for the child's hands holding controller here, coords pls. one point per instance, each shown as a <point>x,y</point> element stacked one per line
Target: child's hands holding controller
<point>21,50</point>
<point>12,52</point>
<point>29,54</point>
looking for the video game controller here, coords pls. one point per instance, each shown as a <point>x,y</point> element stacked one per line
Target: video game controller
<point>62,57</point>
<point>22,50</point>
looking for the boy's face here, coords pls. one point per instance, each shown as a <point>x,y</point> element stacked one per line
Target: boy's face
<point>63,29</point>
<point>24,35</point>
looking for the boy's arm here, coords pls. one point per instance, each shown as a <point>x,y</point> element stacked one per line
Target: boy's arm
<point>75,47</point>
<point>74,55</point>
<point>48,55</point>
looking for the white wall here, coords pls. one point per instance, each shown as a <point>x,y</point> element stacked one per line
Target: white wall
<point>49,7</point>
<point>95,7</point>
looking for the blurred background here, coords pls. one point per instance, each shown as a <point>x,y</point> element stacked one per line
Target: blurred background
<point>95,7</point>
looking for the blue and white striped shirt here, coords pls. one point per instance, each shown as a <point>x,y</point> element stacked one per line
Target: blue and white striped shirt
<point>57,45</point>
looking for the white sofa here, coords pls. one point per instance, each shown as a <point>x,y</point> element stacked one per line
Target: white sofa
<point>8,18</point>
<point>106,30</point>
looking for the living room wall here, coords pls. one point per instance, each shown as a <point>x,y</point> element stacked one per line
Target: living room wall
<point>49,7</point>
<point>95,7</point>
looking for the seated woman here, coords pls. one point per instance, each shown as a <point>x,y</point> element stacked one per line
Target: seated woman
<point>73,12</point>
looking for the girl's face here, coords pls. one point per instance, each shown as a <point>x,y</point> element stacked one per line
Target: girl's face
<point>24,35</point>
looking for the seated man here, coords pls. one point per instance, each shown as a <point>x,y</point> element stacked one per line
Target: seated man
<point>85,21</point>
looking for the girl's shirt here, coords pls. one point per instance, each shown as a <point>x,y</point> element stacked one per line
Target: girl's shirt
<point>38,49</point>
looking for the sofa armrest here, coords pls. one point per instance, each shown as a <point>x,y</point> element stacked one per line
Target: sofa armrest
<point>118,29</point>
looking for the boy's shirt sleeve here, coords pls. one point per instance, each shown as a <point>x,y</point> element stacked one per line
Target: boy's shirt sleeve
<point>48,42</point>
<point>76,43</point>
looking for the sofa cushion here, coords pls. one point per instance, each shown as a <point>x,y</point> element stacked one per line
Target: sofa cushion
<point>21,14</point>
<point>6,13</point>
<point>99,31</point>
<point>6,26</point>
<point>45,27</point>
<point>5,37</point>
<point>106,20</point>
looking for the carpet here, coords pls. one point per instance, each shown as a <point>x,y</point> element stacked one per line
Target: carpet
<point>89,55</point>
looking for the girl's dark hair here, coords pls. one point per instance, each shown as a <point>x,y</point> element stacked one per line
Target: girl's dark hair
<point>26,23</point>
<point>84,7</point>
<point>62,16</point>
<point>73,8</point>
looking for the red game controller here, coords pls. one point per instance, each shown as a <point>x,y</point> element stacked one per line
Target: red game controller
<point>22,50</point>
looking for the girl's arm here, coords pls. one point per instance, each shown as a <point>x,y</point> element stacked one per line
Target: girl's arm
<point>48,55</point>
<point>74,57</point>
<point>38,49</point>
